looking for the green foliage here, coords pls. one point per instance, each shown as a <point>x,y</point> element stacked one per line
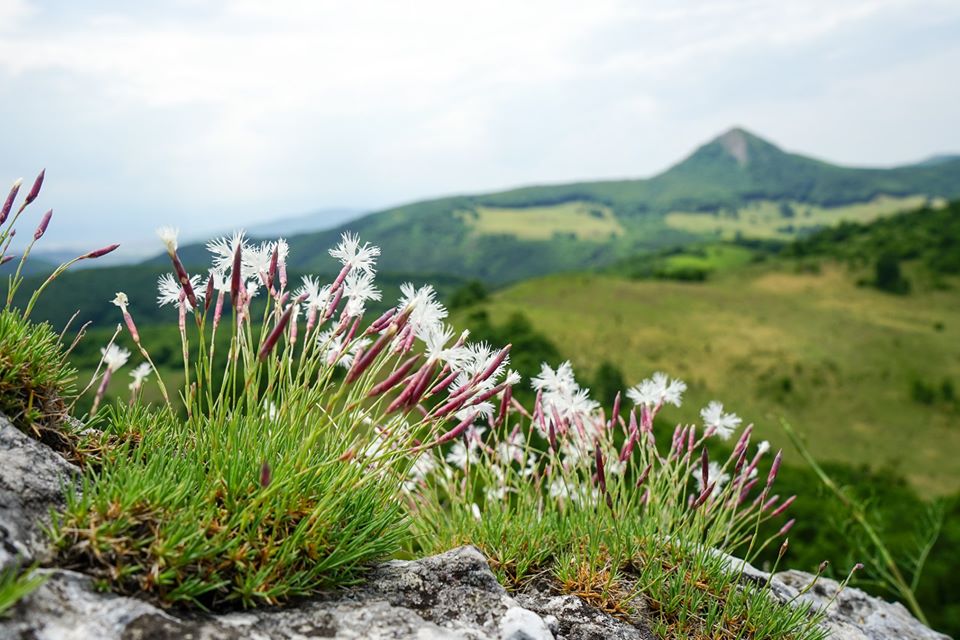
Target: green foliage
<point>469,294</point>
<point>35,377</point>
<point>888,275</point>
<point>607,383</point>
<point>930,236</point>
<point>16,585</point>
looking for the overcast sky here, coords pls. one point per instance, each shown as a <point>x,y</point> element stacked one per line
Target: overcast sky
<point>208,115</point>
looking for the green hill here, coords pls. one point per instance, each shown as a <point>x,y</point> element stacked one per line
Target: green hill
<point>736,186</point>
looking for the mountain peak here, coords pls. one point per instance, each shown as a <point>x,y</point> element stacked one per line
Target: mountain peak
<point>734,142</point>
<point>741,145</point>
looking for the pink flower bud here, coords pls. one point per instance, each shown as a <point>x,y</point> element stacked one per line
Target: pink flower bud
<point>274,336</point>
<point>35,189</point>
<point>272,273</point>
<point>787,527</point>
<point>5,259</point>
<point>265,474</point>
<point>601,474</point>
<point>704,467</point>
<point>774,468</point>
<point>8,203</point>
<point>644,474</point>
<point>235,283</point>
<point>783,507</point>
<point>366,358</point>
<point>99,253</point>
<point>504,405</point>
<point>494,365</point>
<point>42,227</point>
<point>453,433</point>
<point>616,410</point>
<point>208,296</point>
<point>394,378</point>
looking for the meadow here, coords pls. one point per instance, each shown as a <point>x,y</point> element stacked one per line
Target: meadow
<point>842,362</point>
<point>786,219</point>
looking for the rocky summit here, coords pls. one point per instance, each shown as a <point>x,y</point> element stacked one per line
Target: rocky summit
<point>451,595</point>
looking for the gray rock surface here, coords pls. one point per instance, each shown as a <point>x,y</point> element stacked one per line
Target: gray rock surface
<point>853,615</point>
<point>32,478</point>
<point>452,595</point>
<point>570,618</point>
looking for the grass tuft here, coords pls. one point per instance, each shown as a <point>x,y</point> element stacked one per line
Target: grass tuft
<point>35,378</point>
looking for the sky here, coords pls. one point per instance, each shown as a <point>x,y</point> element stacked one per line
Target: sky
<point>210,115</point>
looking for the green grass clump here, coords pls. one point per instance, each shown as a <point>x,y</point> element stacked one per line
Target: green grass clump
<point>593,507</point>
<point>35,377</point>
<point>240,509</point>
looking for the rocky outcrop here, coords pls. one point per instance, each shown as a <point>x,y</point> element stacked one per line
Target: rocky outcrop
<point>452,595</point>
<point>32,479</point>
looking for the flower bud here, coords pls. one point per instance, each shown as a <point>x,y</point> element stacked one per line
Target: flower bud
<point>274,336</point>
<point>35,189</point>
<point>42,227</point>
<point>99,253</point>
<point>8,203</point>
<point>265,474</point>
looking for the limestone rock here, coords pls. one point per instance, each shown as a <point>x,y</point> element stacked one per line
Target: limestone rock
<point>32,479</point>
<point>853,615</point>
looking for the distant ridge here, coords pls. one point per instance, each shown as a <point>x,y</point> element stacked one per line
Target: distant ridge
<point>718,189</point>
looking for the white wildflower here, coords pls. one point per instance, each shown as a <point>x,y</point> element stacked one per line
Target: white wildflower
<point>763,447</point>
<point>359,289</point>
<point>256,260</point>
<point>318,296</point>
<point>724,423</point>
<point>656,390</point>
<point>168,235</point>
<point>114,357</point>
<point>139,375</point>
<point>221,283</point>
<point>121,300</point>
<point>561,393</point>
<point>436,340</point>
<point>351,254</point>
<point>475,510</point>
<point>461,455</point>
<point>224,249</point>
<point>427,314</point>
<point>169,290</point>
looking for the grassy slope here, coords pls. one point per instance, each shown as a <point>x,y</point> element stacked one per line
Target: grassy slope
<point>850,354</point>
